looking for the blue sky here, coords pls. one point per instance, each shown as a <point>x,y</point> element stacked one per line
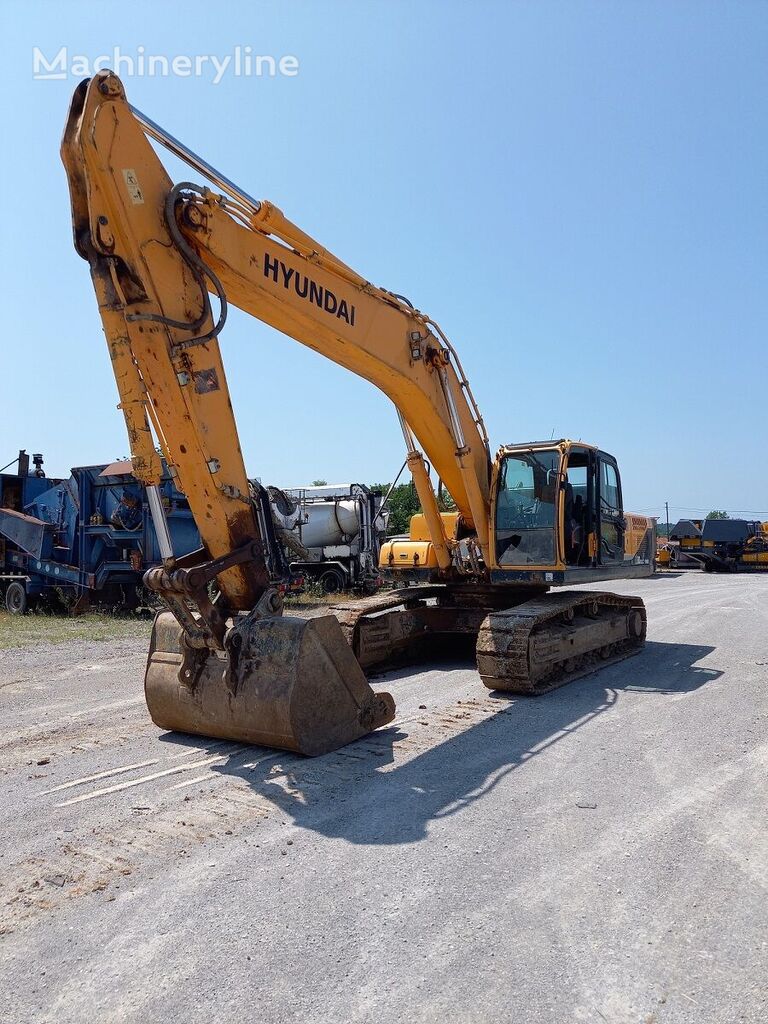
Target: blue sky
<point>575,191</point>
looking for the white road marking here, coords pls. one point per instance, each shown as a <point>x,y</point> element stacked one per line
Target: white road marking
<point>99,775</point>
<point>144,778</point>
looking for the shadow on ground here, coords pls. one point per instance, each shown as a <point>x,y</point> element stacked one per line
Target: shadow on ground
<point>347,795</point>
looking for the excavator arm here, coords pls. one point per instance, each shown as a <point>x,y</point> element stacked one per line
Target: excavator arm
<point>152,303</point>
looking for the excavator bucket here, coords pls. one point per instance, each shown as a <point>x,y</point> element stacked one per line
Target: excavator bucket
<point>290,683</point>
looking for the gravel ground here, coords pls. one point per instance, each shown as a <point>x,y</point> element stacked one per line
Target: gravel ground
<point>597,854</point>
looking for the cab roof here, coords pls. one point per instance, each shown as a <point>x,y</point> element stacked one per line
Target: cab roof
<point>551,444</point>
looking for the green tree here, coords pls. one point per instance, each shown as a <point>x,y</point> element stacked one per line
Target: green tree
<point>403,503</point>
<point>716,514</point>
<point>319,483</point>
<point>444,500</point>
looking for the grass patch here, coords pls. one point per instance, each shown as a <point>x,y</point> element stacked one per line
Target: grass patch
<point>309,601</point>
<point>313,596</point>
<point>20,631</point>
<point>27,630</point>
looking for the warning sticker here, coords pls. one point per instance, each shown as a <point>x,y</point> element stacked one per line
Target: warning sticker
<point>132,184</point>
<point>205,381</point>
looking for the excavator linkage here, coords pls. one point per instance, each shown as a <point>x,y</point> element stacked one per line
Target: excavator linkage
<point>287,682</point>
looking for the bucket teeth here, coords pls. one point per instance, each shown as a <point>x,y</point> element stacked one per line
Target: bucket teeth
<point>296,686</point>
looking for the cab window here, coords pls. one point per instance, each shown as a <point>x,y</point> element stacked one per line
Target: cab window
<point>609,487</point>
<point>611,518</point>
<point>526,507</point>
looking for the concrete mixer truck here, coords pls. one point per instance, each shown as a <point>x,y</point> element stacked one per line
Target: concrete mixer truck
<point>333,534</point>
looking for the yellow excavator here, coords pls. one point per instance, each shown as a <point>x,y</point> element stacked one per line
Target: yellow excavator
<point>537,516</point>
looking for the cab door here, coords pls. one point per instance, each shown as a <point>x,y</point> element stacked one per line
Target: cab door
<point>579,507</point>
<point>611,522</point>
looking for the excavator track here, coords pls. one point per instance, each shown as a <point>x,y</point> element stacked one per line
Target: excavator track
<point>376,638</point>
<point>532,648</point>
<point>543,644</point>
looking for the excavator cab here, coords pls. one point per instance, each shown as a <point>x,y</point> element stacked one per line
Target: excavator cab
<point>558,516</point>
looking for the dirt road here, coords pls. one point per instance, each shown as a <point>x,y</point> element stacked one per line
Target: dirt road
<point>597,854</point>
